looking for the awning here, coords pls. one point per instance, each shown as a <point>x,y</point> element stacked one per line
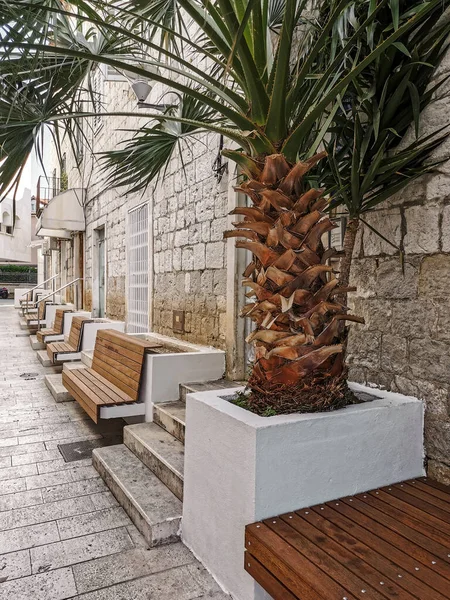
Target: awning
<point>63,215</point>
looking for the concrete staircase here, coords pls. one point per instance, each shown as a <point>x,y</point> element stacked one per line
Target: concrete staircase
<point>145,473</point>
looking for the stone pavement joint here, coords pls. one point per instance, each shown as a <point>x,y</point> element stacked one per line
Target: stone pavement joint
<point>62,533</point>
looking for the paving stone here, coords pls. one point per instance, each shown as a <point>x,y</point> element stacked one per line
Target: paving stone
<point>23,449</point>
<point>60,477</point>
<point>27,537</point>
<point>80,549</point>
<point>135,563</point>
<point>13,485</point>
<point>55,585</point>
<point>5,461</point>
<point>103,500</point>
<point>99,520</point>
<point>181,583</point>
<point>35,457</point>
<point>14,565</point>
<point>20,499</point>
<point>61,465</point>
<point>70,490</point>
<point>22,517</point>
<point>16,472</point>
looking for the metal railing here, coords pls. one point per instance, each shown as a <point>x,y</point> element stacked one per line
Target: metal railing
<point>63,287</point>
<point>36,287</point>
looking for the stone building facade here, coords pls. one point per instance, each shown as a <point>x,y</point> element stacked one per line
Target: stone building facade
<point>404,345</point>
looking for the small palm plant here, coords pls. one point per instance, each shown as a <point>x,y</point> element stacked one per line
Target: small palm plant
<point>281,80</point>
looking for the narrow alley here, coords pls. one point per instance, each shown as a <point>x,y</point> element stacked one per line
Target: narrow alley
<point>62,533</point>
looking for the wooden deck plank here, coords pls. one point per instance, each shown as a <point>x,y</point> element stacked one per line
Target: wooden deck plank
<point>350,561</point>
<point>403,537</point>
<point>431,490</point>
<point>385,566</point>
<point>430,538</point>
<point>266,580</point>
<point>355,585</point>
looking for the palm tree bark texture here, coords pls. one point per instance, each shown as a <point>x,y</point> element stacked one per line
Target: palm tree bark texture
<point>300,336</point>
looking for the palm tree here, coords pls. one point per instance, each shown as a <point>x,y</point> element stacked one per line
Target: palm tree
<point>280,79</point>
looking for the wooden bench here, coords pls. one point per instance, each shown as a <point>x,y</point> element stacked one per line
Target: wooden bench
<point>115,376</point>
<point>73,345</point>
<point>58,325</point>
<point>393,542</point>
<point>33,319</point>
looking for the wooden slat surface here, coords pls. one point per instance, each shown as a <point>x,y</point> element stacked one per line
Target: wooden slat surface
<point>388,543</point>
<point>92,391</point>
<point>119,358</point>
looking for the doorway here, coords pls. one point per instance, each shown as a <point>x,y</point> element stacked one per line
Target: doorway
<point>99,273</point>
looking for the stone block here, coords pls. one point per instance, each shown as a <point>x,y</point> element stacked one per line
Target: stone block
<point>435,395</point>
<point>445,235</point>
<point>437,439</point>
<point>388,223</point>
<point>215,252</point>
<point>422,229</point>
<point>438,471</point>
<point>187,259</point>
<point>364,348</point>
<point>394,352</point>
<point>199,256</point>
<point>434,280</point>
<point>393,281</point>
<point>429,358</point>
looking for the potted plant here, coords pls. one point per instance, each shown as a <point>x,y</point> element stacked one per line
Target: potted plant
<point>279,81</point>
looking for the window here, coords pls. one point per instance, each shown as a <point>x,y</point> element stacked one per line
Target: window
<point>98,81</point>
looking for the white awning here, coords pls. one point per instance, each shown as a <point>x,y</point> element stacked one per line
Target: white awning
<point>63,214</point>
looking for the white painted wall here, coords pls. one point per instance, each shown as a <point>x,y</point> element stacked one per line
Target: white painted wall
<point>15,247</point>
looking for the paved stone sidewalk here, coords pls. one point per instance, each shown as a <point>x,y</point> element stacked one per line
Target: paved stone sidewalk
<point>62,533</point>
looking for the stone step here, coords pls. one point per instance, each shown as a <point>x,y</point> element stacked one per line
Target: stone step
<point>153,508</point>
<point>45,360</point>
<point>36,344</point>
<point>159,451</point>
<point>171,416</point>
<point>207,386</point>
<point>24,326</point>
<point>87,357</point>
<point>56,387</point>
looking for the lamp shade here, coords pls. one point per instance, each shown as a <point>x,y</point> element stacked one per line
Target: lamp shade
<point>142,89</point>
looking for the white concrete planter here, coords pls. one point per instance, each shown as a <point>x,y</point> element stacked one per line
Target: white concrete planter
<point>240,468</point>
<point>163,373</point>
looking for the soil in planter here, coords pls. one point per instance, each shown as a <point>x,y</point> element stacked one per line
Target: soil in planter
<point>168,350</point>
<point>280,407</point>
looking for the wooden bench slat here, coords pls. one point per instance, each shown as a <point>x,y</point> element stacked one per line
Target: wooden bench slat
<point>128,342</point>
<point>106,385</point>
<point>133,360</point>
<point>266,580</point>
<point>363,570</point>
<point>389,569</point>
<point>127,375</point>
<point>108,395</point>
<point>431,537</point>
<point>334,568</point>
<point>416,508</point>
<point>296,573</point>
<point>83,399</point>
<point>106,373</point>
<point>386,547</point>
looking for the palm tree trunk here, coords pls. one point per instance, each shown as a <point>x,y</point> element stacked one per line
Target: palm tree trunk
<point>348,247</point>
<point>299,339</point>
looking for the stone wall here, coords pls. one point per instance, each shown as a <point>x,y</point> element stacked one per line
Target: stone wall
<point>187,217</point>
<point>404,345</point>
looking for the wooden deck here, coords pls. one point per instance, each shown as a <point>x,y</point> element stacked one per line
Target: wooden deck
<point>392,542</point>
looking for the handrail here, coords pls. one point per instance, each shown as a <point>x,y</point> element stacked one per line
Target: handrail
<point>40,285</point>
<point>59,289</point>
<point>53,294</point>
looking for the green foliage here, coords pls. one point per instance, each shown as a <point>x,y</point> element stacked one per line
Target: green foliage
<point>17,269</point>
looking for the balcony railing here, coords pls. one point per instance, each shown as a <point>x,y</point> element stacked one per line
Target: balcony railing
<point>47,188</point>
